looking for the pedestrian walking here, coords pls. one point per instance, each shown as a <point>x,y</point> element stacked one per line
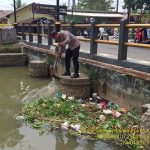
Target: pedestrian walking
<point>65,38</point>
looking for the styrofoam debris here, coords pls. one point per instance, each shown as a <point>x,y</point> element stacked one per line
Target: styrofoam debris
<point>102,118</point>
<point>107,111</point>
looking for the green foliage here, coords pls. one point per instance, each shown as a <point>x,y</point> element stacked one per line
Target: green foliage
<point>19,4</point>
<point>57,111</point>
<point>136,4</point>
<point>94,75</point>
<point>50,61</point>
<point>7,48</point>
<point>95,4</point>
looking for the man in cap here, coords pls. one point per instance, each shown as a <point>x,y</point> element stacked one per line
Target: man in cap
<point>65,38</point>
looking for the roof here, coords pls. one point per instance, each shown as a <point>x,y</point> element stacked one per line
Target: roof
<point>4,13</point>
<point>11,11</point>
<point>95,14</point>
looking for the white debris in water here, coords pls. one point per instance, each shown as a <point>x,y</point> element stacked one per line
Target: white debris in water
<point>77,127</point>
<point>64,96</point>
<point>65,125</point>
<point>71,98</point>
<point>107,111</point>
<point>117,114</point>
<point>24,88</point>
<point>102,118</point>
<point>20,118</point>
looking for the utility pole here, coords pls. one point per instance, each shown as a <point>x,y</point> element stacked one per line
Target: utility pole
<point>57,24</point>
<point>73,3</point>
<point>117,6</point>
<point>73,7</point>
<point>15,20</point>
<point>57,9</point>
<point>68,4</point>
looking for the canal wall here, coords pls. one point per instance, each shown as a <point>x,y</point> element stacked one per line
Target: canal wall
<point>13,59</point>
<point>11,55</point>
<point>127,87</point>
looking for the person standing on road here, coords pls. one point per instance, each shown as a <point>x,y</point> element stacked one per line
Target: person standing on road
<point>64,38</point>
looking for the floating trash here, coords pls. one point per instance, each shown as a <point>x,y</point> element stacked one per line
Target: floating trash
<point>94,95</point>
<point>116,114</point>
<point>90,99</point>
<point>71,98</point>
<point>64,96</point>
<point>107,111</point>
<point>103,104</point>
<point>80,100</point>
<point>123,110</point>
<point>65,125</point>
<point>110,104</point>
<point>102,118</point>
<point>20,118</point>
<point>83,105</point>
<point>58,94</point>
<point>99,106</point>
<point>75,127</point>
<point>135,127</point>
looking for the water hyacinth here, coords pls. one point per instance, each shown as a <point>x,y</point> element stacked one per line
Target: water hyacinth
<point>82,119</point>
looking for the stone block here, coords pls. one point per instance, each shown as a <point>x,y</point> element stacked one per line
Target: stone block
<point>77,87</point>
<point>38,68</point>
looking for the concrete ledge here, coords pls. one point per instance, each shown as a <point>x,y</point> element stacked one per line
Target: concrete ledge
<point>38,68</point>
<point>13,59</point>
<point>78,87</point>
<point>83,80</point>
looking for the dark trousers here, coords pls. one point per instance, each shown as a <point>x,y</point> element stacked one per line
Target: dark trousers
<point>74,54</point>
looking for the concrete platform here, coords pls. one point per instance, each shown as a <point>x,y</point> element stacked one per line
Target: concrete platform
<point>77,87</point>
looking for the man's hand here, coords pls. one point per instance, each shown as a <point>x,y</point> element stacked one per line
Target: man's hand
<point>60,45</point>
<point>59,54</point>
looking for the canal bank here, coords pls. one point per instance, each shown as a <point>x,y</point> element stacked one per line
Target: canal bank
<point>110,73</point>
<point>16,135</point>
<point>118,84</point>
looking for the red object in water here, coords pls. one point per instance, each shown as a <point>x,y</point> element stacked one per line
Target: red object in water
<point>103,104</point>
<point>114,114</point>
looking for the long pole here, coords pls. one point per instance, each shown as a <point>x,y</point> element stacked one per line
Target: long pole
<point>15,20</point>
<point>57,9</point>
<point>117,6</point>
<point>57,23</point>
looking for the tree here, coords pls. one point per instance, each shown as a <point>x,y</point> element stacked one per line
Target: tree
<point>95,4</point>
<point>18,4</point>
<point>135,5</point>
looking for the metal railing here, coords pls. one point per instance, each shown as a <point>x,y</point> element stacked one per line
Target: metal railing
<point>36,30</point>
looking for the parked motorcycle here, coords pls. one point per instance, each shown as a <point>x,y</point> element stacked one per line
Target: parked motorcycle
<point>103,34</point>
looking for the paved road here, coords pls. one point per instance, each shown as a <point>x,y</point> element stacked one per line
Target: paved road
<point>141,55</point>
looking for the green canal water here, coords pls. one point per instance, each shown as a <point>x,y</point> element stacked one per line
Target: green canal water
<point>14,135</point>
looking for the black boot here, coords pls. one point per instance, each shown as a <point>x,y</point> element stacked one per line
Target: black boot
<point>66,74</point>
<point>76,74</point>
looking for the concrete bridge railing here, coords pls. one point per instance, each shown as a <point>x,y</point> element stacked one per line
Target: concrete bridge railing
<point>36,30</point>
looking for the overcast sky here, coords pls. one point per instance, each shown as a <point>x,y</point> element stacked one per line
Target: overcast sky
<point>6,4</point>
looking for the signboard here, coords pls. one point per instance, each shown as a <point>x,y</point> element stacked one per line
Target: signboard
<point>48,9</point>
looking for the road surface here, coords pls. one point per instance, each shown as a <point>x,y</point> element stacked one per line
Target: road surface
<point>139,55</point>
